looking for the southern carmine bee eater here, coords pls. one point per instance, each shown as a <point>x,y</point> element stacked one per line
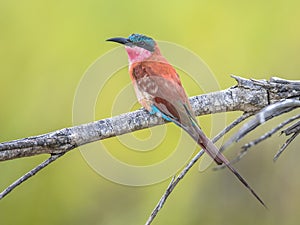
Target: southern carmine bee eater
<point>159,90</point>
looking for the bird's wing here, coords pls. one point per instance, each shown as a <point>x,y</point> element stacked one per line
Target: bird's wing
<point>160,91</point>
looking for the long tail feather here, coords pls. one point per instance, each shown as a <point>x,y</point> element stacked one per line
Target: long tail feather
<point>219,158</point>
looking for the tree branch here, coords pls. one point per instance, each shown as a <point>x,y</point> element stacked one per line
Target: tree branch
<point>260,118</point>
<point>247,96</point>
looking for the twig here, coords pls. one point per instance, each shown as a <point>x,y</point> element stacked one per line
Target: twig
<point>270,133</point>
<point>292,129</point>
<point>176,180</point>
<point>247,146</point>
<point>284,146</point>
<point>29,174</point>
<point>264,115</point>
<point>295,83</point>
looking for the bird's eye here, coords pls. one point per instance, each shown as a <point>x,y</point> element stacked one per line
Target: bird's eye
<point>143,43</point>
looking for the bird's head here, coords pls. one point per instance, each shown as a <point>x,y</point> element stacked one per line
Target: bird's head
<point>139,47</point>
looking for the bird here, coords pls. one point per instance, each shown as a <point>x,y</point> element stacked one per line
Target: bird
<point>159,90</point>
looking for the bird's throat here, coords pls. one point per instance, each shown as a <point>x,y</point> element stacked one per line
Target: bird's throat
<point>137,54</point>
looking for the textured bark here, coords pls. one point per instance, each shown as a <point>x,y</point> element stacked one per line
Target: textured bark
<point>246,96</point>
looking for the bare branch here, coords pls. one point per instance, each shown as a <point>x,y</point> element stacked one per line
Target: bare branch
<point>247,96</point>
<point>266,114</point>
<point>31,173</point>
<point>292,129</point>
<point>247,146</point>
<point>295,83</point>
<point>269,134</point>
<point>284,146</point>
<point>260,118</point>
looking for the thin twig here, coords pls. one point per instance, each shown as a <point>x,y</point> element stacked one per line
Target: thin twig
<point>29,174</point>
<point>247,146</point>
<point>171,187</point>
<point>236,122</point>
<point>284,146</point>
<point>285,81</point>
<point>270,133</point>
<point>264,115</point>
<point>176,180</point>
<point>292,129</point>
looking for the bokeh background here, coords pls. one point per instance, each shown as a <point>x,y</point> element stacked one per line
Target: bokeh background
<point>45,48</point>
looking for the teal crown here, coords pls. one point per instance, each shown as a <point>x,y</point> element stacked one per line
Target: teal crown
<point>142,41</point>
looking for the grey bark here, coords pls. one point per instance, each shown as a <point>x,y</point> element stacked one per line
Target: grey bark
<point>246,96</point>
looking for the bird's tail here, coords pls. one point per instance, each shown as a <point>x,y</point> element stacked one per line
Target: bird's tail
<point>219,158</point>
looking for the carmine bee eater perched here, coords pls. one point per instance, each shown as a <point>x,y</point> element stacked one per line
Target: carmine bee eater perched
<point>159,90</point>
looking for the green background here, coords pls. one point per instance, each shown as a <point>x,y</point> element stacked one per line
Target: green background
<point>45,47</point>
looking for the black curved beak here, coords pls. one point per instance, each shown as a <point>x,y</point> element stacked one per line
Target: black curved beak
<point>120,40</point>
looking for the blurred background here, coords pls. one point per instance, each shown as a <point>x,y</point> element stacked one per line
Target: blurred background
<point>45,48</point>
